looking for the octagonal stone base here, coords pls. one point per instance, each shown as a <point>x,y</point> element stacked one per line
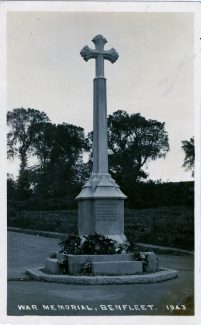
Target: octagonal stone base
<point>104,269</point>
<point>115,264</point>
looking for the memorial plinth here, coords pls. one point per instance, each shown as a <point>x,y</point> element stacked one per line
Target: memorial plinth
<point>101,208</point>
<point>101,202</point>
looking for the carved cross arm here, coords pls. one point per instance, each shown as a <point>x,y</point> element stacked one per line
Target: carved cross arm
<point>88,53</point>
<point>111,55</point>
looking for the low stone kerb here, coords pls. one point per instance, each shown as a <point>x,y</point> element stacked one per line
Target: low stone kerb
<point>161,275</point>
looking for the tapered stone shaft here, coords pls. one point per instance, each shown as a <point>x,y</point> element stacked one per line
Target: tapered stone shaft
<point>100,153</point>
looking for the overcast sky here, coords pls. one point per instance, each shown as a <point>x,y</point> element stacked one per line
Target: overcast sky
<point>153,75</point>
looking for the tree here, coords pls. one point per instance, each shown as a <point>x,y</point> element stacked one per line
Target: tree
<point>10,186</point>
<point>133,141</point>
<point>59,149</point>
<point>59,169</point>
<point>23,125</point>
<point>189,150</point>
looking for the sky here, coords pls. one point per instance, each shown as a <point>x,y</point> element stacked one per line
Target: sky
<point>153,75</point>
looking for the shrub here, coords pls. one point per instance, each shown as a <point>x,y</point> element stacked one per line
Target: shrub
<point>86,269</point>
<point>96,244</point>
<point>99,244</point>
<point>70,244</point>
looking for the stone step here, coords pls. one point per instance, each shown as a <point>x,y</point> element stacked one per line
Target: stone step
<point>117,267</point>
<point>52,266</point>
<point>75,262</point>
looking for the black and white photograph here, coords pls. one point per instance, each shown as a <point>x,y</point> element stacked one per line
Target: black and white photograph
<point>101,140</point>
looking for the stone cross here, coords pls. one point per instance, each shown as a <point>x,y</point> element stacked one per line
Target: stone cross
<point>99,54</point>
<point>100,154</point>
<point>100,202</point>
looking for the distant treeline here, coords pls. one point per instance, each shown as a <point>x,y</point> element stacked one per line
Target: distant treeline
<point>59,170</point>
<point>143,196</point>
<point>154,195</point>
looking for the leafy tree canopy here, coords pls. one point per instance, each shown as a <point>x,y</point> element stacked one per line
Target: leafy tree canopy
<point>189,150</point>
<point>64,142</point>
<point>133,141</point>
<point>22,125</point>
<point>59,149</point>
<point>22,131</point>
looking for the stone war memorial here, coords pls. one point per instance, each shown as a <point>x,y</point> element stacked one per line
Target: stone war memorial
<point>100,254</point>
<point>101,202</point>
